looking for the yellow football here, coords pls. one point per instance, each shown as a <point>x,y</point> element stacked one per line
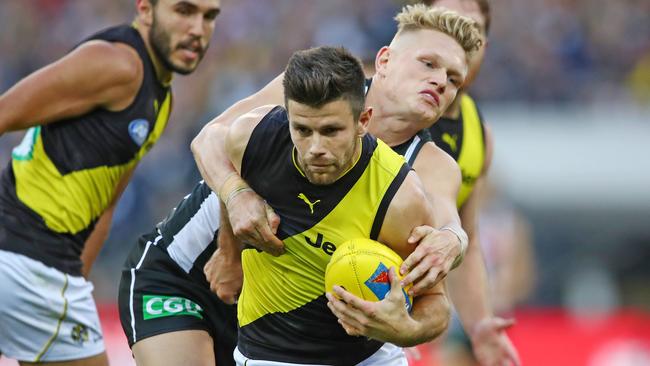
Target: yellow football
<point>361,267</point>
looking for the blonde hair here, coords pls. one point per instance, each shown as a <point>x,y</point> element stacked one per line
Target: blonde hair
<point>419,16</point>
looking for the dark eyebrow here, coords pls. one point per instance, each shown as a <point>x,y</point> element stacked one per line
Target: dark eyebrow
<point>213,13</point>
<point>188,4</point>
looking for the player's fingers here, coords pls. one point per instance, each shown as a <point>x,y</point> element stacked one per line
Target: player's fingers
<point>244,229</point>
<point>272,218</point>
<point>410,261</point>
<point>340,309</point>
<point>426,282</point>
<point>349,298</point>
<point>503,324</point>
<point>226,296</point>
<point>513,355</point>
<point>395,286</point>
<point>414,274</point>
<point>207,270</point>
<point>350,329</point>
<point>271,242</point>
<point>418,233</point>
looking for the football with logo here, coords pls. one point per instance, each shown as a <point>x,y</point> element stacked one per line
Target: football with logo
<point>361,267</point>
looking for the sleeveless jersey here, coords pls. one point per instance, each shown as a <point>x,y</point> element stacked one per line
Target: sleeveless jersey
<point>63,175</point>
<point>464,140</point>
<point>282,309</point>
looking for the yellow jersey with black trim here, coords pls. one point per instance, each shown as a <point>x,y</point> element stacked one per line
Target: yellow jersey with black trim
<point>64,174</point>
<point>282,309</point>
<point>464,140</point>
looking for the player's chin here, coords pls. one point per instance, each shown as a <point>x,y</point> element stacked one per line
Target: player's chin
<point>184,67</point>
<point>321,179</point>
<point>428,113</point>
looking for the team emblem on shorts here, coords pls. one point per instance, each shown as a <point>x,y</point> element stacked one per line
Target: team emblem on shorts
<point>138,130</point>
<point>80,333</point>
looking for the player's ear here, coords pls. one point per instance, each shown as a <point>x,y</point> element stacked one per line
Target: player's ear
<point>364,119</point>
<point>145,12</point>
<point>381,60</point>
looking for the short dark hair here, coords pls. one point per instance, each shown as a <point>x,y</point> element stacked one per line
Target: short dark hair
<point>320,75</point>
<point>483,5</point>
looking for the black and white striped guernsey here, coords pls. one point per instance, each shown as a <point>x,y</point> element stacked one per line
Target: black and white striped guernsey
<point>191,227</point>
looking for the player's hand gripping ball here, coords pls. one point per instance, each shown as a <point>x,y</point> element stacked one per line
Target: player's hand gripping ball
<point>361,267</point>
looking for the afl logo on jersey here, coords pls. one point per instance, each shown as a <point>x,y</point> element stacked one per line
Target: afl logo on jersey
<point>138,130</point>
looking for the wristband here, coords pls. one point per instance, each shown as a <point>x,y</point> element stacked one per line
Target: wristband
<point>464,241</point>
<point>226,183</point>
<point>235,192</point>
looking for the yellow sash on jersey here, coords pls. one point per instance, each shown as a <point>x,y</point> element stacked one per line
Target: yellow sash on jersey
<point>472,153</point>
<point>70,203</point>
<point>292,280</point>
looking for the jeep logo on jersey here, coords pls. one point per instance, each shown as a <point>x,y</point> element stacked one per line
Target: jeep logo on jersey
<point>327,247</point>
<point>138,130</point>
<point>157,306</point>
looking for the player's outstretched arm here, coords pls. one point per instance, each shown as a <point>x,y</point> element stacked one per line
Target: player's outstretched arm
<point>248,226</point>
<point>97,74</point>
<point>439,246</point>
<point>208,147</point>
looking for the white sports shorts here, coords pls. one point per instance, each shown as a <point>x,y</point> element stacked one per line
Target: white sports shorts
<point>45,314</point>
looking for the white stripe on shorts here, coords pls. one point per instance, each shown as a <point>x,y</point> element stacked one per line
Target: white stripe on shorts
<point>146,249</point>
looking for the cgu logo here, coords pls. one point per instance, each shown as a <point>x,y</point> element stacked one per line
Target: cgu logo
<point>327,247</point>
<point>161,306</point>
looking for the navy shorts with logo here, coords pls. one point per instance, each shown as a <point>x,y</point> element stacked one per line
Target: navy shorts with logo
<point>157,296</point>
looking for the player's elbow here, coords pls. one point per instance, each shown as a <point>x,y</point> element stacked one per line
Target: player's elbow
<point>6,119</point>
<point>198,143</point>
<point>195,145</point>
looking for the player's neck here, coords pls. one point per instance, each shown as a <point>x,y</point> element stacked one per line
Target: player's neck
<point>389,124</point>
<point>453,112</point>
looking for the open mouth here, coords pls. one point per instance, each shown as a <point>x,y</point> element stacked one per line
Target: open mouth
<point>190,50</point>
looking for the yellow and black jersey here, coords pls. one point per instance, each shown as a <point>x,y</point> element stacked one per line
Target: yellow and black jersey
<point>63,175</point>
<point>464,140</point>
<point>282,310</point>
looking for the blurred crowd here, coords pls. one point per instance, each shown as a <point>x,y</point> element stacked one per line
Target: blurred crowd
<point>543,50</point>
<point>540,51</point>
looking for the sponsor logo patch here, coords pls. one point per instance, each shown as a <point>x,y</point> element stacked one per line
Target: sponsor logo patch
<point>158,306</point>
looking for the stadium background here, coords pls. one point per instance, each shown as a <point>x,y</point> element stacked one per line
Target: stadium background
<point>565,87</point>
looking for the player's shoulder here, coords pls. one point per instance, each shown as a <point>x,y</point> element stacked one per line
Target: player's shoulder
<point>119,60</point>
<point>254,116</point>
<point>433,156</point>
<point>242,128</point>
